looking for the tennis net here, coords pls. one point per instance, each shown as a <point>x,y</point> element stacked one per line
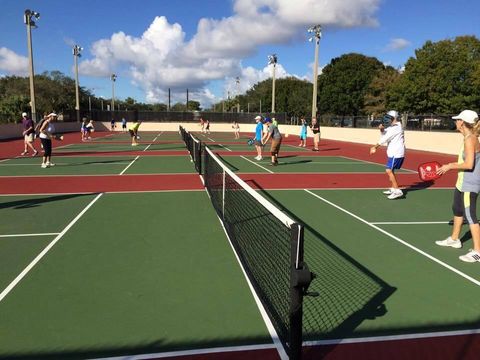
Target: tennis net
<point>194,147</point>
<point>269,245</point>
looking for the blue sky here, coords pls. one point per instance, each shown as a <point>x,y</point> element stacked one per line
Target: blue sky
<point>203,45</point>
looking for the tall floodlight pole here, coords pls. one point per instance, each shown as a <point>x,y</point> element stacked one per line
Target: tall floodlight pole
<point>28,20</point>
<point>316,32</point>
<point>77,50</point>
<point>237,82</point>
<point>113,77</point>
<point>272,60</point>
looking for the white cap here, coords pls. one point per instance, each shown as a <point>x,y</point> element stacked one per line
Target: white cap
<point>393,113</point>
<point>24,114</point>
<point>258,117</point>
<point>469,116</point>
<point>52,114</point>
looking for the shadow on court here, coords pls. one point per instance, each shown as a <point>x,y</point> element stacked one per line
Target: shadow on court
<point>34,202</point>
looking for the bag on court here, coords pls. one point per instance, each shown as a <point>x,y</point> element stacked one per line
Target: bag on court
<point>428,171</point>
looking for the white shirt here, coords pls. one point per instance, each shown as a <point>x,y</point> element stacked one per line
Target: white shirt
<point>395,140</point>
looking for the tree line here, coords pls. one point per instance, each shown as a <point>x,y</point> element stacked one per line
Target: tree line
<point>443,78</point>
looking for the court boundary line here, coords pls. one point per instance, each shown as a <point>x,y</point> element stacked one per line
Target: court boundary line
<point>205,351</point>
<point>257,164</point>
<point>408,222</point>
<point>383,165</point>
<point>131,163</point>
<point>28,235</point>
<point>153,141</point>
<point>412,336</point>
<point>30,266</point>
<point>396,238</point>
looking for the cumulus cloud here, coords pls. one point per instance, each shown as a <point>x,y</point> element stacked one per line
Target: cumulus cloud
<point>397,44</point>
<point>161,58</point>
<point>12,63</point>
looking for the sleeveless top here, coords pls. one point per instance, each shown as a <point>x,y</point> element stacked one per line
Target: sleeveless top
<point>468,180</point>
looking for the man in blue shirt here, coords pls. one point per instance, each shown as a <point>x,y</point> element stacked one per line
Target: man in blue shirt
<point>258,137</point>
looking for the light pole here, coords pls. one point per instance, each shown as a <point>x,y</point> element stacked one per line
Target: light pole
<point>237,81</point>
<point>272,59</point>
<point>76,54</point>
<point>28,20</point>
<point>316,32</point>
<point>113,77</point>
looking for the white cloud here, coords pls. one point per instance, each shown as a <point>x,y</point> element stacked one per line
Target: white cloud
<point>12,63</point>
<point>397,44</point>
<point>161,58</point>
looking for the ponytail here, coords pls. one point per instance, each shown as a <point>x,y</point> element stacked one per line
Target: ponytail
<point>476,128</point>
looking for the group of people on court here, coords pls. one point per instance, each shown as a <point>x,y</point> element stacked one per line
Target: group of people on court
<point>467,165</point>
<point>261,138</point>
<point>205,125</point>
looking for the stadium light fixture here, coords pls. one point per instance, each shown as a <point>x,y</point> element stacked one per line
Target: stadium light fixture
<point>77,52</point>
<point>29,18</point>
<point>272,60</point>
<point>316,32</point>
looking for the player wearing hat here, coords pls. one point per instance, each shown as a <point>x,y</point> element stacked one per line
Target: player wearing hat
<point>274,134</point>
<point>28,134</point>
<point>467,186</point>
<point>47,131</point>
<point>258,137</point>
<point>392,134</point>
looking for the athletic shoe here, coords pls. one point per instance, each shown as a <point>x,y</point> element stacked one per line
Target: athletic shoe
<point>471,257</point>
<point>395,194</point>
<point>457,244</point>
<point>24,153</point>
<point>258,158</point>
<point>389,191</point>
<point>44,166</point>
<point>35,153</point>
<point>50,164</point>
<point>315,150</point>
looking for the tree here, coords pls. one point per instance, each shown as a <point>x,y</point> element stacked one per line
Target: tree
<point>443,77</point>
<point>375,101</point>
<point>343,84</point>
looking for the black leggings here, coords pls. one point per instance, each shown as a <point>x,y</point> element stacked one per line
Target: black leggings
<point>47,146</point>
<point>465,204</point>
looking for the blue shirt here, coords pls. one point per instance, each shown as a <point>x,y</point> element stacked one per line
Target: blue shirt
<point>259,131</point>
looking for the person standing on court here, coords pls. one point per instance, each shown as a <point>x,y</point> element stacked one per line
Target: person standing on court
<point>133,130</point>
<point>274,134</point>
<point>315,126</point>
<point>258,137</point>
<point>124,124</point>
<point>303,132</point>
<point>467,186</point>
<point>28,135</point>
<point>47,131</point>
<point>393,136</point>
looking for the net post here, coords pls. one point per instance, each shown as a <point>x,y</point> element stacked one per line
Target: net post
<point>300,279</point>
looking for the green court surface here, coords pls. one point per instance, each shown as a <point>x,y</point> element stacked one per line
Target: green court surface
<point>302,164</point>
<point>128,276</point>
<point>87,165</point>
<point>218,146</point>
<point>93,146</point>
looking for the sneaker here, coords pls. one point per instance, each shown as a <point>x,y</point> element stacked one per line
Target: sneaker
<point>50,164</point>
<point>24,153</point>
<point>35,153</point>
<point>315,150</point>
<point>44,166</point>
<point>389,191</point>
<point>395,194</point>
<point>457,244</point>
<point>471,257</point>
<point>258,158</point>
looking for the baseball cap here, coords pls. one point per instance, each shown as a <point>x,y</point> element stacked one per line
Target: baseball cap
<point>393,113</point>
<point>258,117</point>
<point>24,114</point>
<point>52,114</point>
<point>469,116</point>
<point>268,120</point>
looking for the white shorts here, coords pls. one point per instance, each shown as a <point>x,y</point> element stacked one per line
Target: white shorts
<point>29,138</point>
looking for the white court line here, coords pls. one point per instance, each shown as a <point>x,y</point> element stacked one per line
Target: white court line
<point>67,164</point>
<point>254,163</point>
<point>209,138</point>
<point>22,235</point>
<point>224,147</point>
<point>131,163</point>
<point>374,163</point>
<point>46,250</point>
<point>192,352</point>
<point>451,268</point>
<point>409,222</point>
<point>151,143</point>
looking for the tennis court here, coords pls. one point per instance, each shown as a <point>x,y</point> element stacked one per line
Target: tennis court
<point>117,252</point>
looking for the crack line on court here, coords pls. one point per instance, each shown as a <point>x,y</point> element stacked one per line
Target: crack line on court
<point>451,268</point>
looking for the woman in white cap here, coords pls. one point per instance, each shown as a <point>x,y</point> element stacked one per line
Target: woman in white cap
<point>47,131</point>
<point>258,137</point>
<point>467,186</point>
